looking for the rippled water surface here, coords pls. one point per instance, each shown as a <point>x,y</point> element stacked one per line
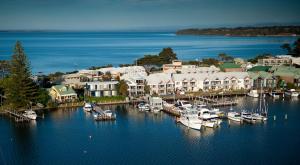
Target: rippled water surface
<point>68,51</point>
<point>73,137</point>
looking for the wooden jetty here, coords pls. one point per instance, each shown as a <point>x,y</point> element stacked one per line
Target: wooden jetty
<point>19,117</point>
<point>102,116</point>
<point>215,102</point>
<point>171,110</point>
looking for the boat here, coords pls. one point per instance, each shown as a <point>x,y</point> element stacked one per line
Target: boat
<point>259,117</point>
<point>274,95</point>
<point>209,118</point>
<point>190,119</point>
<point>183,104</point>
<point>104,115</point>
<point>155,109</point>
<point>143,107</point>
<point>234,116</point>
<point>88,107</point>
<point>30,114</point>
<point>291,93</point>
<point>248,117</point>
<point>253,93</point>
<point>217,112</point>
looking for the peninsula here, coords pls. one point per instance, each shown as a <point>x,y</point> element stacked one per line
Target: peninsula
<point>244,31</point>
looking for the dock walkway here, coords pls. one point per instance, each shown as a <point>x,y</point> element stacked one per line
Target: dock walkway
<point>103,116</point>
<point>19,117</point>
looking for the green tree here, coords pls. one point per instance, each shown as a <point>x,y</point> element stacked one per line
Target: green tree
<point>122,88</point>
<point>20,89</point>
<point>167,55</point>
<point>296,50</point>
<point>287,47</point>
<point>210,61</point>
<point>43,96</point>
<point>224,57</point>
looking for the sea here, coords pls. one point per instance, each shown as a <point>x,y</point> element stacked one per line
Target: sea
<point>66,51</point>
<point>71,136</point>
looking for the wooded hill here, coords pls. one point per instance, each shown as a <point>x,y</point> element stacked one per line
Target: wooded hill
<point>244,31</point>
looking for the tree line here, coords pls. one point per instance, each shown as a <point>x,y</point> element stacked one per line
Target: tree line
<point>18,86</point>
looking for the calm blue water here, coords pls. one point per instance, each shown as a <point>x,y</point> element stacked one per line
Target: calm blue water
<point>62,137</point>
<point>68,51</point>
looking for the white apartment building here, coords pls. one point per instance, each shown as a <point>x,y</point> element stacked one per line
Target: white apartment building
<point>101,88</point>
<point>167,83</point>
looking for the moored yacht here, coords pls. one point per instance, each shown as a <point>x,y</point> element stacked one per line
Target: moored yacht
<point>143,107</point>
<point>30,114</point>
<point>291,93</point>
<point>183,104</point>
<point>88,107</point>
<point>189,118</point>
<point>234,116</point>
<point>274,95</point>
<point>253,93</point>
<point>248,117</point>
<point>209,119</point>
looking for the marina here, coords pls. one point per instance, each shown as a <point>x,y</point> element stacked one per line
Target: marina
<point>85,137</point>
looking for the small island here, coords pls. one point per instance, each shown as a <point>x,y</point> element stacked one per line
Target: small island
<point>244,31</point>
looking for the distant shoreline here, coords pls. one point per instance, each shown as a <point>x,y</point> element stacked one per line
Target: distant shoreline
<point>267,31</point>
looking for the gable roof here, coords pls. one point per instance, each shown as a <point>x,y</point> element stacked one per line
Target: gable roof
<point>63,90</point>
<point>259,68</point>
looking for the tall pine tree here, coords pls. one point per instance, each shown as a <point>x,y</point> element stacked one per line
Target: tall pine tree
<point>21,89</point>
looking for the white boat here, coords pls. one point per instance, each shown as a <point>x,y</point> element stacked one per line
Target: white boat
<point>30,114</point>
<point>291,93</point>
<point>248,117</point>
<point>155,109</point>
<point>183,104</point>
<point>253,93</point>
<point>274,95</point>
<point>206,114</point>
<point>189,118</point>
<point>259,117</point>
<point>143,107</point>
<point>209,117</point>
<point>106,114</point>
<point>234,116</point>
<point>88,107</point>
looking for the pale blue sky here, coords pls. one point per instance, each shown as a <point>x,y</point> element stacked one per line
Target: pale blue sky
<point>143,14</point>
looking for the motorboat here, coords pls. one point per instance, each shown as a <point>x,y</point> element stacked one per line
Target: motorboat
<point>30,114</point>
<point>217,112</point>
<point>206,114</point>
<point>248,117</point>
<point>183,104</point>
<point>291,93</point>
<point>155,109</point>
<point>143,107</point>
<point>209,117</point>
<point>274,95</point>
<point>234,116</point>
<point>108,113</point>
<point>259,117</point>
<point>253,93</point>
<point>190,119</point>
<point>88,107</point>
<point>104,115</point>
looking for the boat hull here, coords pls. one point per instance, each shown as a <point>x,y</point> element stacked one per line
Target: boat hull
<point>194,125</point>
